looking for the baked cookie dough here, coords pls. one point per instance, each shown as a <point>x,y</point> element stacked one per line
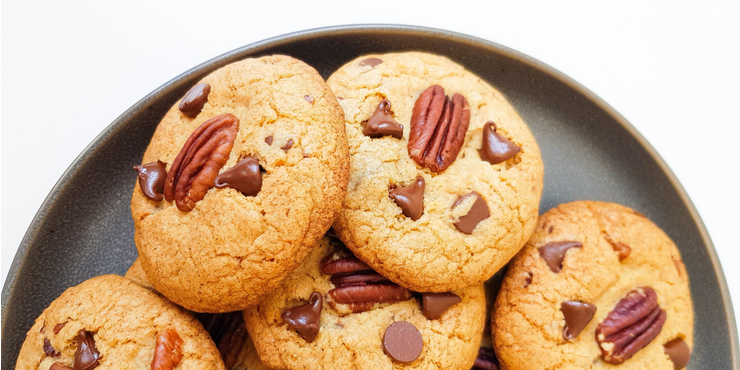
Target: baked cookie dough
<point>109,322</point>
<point>240,180</point>
<point>597,285</point>
<point>355,318</point>
<point>428,217</point>
<point>226,329</point>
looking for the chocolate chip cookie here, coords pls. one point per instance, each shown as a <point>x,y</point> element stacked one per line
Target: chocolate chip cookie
<point>334,310</point>
<point>240,180</point>
<point>109,322</point>
<point>597,285</point>
<point>445,178</point>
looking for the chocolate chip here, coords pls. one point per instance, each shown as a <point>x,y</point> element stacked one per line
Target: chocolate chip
<point>486,360</point>
<point>381,123</point>
<point>528,280</point>
<point>151,179</point>
<point>410,198</point>
<point>435,304</point>
<point>87,355</point>
<point>308,98</point>
<point>403,342</point>
<point>287,145</point>
<point>553,253</point>
<point>195,99</point>
<point>477,213</point>
<point>679,353</point>
<point>372,62</point>
<point>245,177</point>
<point>496,148</point>
<point>58,327</point>
<point>48,349</point>
<point>59,366</point>
<point>268,140</point>
<point>577,315</point>
<point>305,318</point>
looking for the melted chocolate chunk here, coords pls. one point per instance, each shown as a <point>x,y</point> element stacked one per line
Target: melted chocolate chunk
<point>410,198</point>
<point>679,353</point>
<point>308,98</point>
<point>554,253</point>
<point>477,213</point>
<point>58,327</point>
<point>194,100</point>
<point>577,315</point>
<point>59,366</point>
<point>372,62</point>
<point>305,318</point>
<point>287,145</point>
<point>496,148</point>
<point>435,304</point>
<point>87,355</point>
<point>268,140</point>
<point>48,349</point>
<point>486,360</point>
<point>151,179</point>
<point>403,342</point>
<point>381,123</point>
<point>245,177</point>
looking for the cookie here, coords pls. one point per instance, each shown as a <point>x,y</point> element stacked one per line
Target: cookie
<point>445,177</point>
<point>109,322</point>
<point>226,329</point>
<point>334,311</point>
<point>597,285</point>
<point>240,180</point>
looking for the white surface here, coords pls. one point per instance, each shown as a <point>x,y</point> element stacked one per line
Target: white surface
<point>672,69</point>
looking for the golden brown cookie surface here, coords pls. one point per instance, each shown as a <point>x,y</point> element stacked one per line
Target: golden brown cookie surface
<point>593,273</point>
<point>363,339</point>
<point>234,246</point>
<point>121,324</point>
<point>448,224</point>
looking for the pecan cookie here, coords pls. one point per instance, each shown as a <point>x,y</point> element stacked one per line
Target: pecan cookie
<point>445,177</point>
<point>109,322</point>
<point>335,312</point>
<point>240,180</point>
<point>597,285</point>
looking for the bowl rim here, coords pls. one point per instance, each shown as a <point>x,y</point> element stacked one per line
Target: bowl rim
<point>239,53</point>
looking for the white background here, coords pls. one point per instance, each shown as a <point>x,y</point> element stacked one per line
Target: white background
<point>672,68</point>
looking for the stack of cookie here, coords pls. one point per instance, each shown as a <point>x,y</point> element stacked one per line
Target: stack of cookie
<point>352,223</point>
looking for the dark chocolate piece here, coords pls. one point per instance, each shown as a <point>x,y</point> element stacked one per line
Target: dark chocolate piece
<point>151,179</point>
<point>305,319</point>
<point>496,148</point>
<point>554,253</point>
<point>410,198</point>
<point>245,177</point>
<point>194,100</point>
<point>577,315</point>
<point>403,342</point>
<point>477,213</point>
<point>435,304</point>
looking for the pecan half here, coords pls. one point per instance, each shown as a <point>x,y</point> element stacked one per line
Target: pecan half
<point>357,286</point>
<point>195,169</point>
<point>168,352</point>
<point>633,323</point>
<point>438,127</point>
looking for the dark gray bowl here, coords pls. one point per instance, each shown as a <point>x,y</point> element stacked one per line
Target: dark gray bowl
<point>84,227</point>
